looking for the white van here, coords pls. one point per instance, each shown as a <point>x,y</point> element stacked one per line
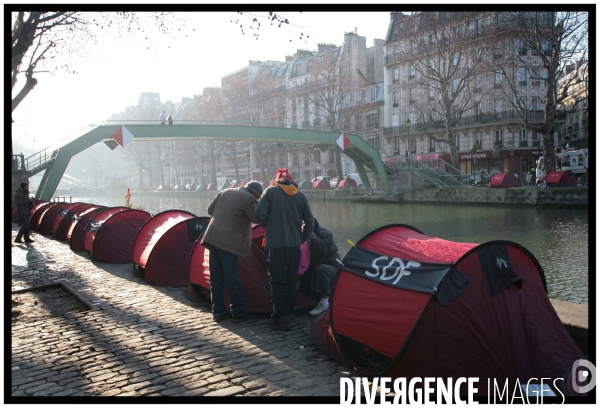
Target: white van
<point>356,178</point>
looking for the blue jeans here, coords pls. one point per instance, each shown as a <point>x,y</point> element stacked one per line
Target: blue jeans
<point>24,230</point>
<point>224,271</point>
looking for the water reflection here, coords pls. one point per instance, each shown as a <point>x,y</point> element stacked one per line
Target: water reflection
<point>558,238</point>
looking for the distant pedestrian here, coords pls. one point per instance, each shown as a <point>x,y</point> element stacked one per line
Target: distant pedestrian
<point>170,119</point>
<point>284,212</point>
<point>162,117</point>
<point>228,238</point>
<point>24,204</point>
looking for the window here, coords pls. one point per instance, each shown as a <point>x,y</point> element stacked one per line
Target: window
<point>500,20</point>
<point>395,75</point>
<point>411,95</point>
<point>396,146</point>
<point>478,138</point>
<point>497,79</point>
<point>431,92</point>
<point>431,144</point>
<point>413,46</point>
<point>455,59</point>
<point>535,104</point>
<point>374,142</point>
<point>535,139</point>
<point>358,122</point>
<point>522,76</point>
<point>547,48</point>
<point>498,137</point>
<point>478,27</point>
<point>413,72</point>
<point>522,48</point>
<point>413,145</point>
<point>478,82</point>
<point>331,155</point>
<point>432,39</point>
<point>373,120</point>
<point>477,54</point>
<point>535,76</point>
<point>523,135</point>
<point>347,123</point>
<point>477,108</point>
<point>457,141</point>
<point>396,94</point>
<point>455,85</point>
<point>317,156</point>
<point>432,65</point>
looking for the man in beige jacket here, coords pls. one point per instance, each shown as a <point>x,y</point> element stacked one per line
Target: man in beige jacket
<point>228,238</point>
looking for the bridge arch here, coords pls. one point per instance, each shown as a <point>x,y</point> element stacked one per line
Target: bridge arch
<point>55,165</point>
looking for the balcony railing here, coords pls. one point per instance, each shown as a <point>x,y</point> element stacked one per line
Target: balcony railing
<point>505,116</point>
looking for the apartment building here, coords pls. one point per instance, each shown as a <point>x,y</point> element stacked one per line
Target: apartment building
<point>451,79</point>
<point>574,109</point>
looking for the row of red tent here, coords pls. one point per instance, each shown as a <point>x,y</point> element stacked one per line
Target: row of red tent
<point>562,178</point>
<point>403,305</point>
<point>303,185</point>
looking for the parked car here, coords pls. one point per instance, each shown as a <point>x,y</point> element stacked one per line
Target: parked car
<point>333,182</point>
<point>321,178</point>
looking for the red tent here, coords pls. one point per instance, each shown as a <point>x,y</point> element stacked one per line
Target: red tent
<point>321,185</point>
<point>503,180</point>
<point>66,220</point>
<point>38,214</point>
<point>77,225</point>
<point>410,305</point>
<point>211,187</point>
<point>253,274</point>
<point>564,178</point>
<point>113,239</point>
<point>161,251</point>
<point>346,183</point>
<point>64,211</point>
<point>91,229</point>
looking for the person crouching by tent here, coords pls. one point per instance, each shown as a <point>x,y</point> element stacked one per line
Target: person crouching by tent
<point>324,264</point>
<point>228,238</point>
<point>281,211</point>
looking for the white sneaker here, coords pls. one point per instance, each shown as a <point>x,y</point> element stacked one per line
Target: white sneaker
<point>320,308</point>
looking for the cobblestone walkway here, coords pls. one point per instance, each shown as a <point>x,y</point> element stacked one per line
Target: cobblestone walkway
<point>151,341</point>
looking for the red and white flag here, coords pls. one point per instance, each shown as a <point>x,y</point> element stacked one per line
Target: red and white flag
<point>122,136</point>
<point>343,141</point>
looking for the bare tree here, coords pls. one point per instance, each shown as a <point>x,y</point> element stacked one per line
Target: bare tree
<point>554,40</point>
<point>47,41</point>
<point>331,80</point>
<point>447,55</point>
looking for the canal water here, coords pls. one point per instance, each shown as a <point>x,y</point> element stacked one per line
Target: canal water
<point>557,237</point>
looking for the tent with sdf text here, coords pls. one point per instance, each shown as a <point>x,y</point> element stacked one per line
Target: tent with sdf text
<point>60,216</point>
<point>410,305</point>
<point>503,180</point>
<point>162,247</point>
<point>112,240</point>
<point>253,274</point>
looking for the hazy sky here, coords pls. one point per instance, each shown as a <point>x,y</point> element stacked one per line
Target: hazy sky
<point>112,75</point>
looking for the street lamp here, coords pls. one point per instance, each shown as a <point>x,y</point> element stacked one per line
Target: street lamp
<point>408,141</point>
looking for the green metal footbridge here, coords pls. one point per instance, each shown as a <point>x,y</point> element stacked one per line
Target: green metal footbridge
<point>55,162</point>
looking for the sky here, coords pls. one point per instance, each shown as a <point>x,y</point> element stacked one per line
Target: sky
<point>112,74</point>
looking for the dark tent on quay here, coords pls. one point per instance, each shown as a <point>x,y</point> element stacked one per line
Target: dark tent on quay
<point>113,240</point>
<point>95,223</point>
<point>61,230</point>
<point>77,226</point>
<point>162,247</point>
<point>564,178</point>
<point>321,185</point>
<point>64,211</point>
<point>409,305</point>
<point>38,214</point>
<point>253,274</point>
<point>503,180</point>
